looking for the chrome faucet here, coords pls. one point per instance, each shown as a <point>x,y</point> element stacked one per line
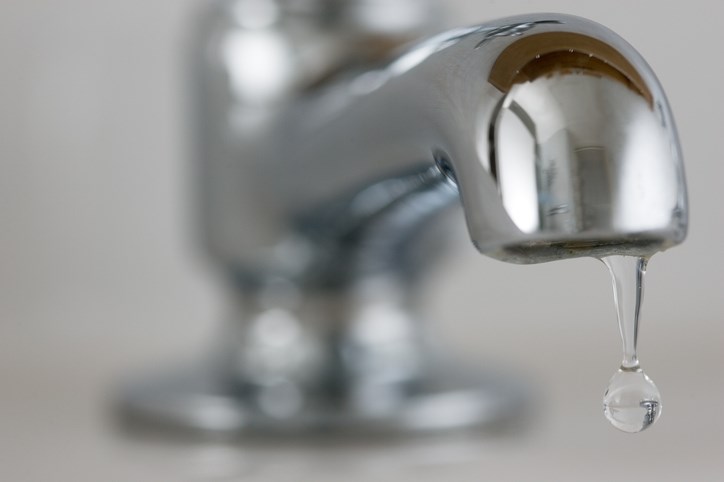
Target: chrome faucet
<point>324,152</point>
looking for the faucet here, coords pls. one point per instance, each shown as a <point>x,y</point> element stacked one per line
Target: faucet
<point>330,153</point>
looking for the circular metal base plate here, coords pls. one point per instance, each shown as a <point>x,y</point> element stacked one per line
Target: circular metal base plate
<point>201,400</point>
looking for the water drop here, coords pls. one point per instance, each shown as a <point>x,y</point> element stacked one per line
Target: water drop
<point>632,402</point>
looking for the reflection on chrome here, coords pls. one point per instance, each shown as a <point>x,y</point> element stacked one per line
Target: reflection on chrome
<point>322,169</point>
<point>258,65</point>
<point>583,152</point>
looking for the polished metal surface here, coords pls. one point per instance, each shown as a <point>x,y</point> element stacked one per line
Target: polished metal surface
<point>321,156</point>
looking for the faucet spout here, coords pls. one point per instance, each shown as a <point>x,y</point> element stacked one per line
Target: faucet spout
<point>549,130</point>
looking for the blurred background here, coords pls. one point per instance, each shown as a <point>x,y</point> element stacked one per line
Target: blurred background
<point>101,277</point>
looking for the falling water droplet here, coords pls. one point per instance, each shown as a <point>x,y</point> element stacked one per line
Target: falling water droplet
<point>632,402</point>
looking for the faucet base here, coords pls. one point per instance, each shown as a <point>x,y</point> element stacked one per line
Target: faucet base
<point>202,401</point>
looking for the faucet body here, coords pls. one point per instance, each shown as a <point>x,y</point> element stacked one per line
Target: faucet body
<point>319,174</point>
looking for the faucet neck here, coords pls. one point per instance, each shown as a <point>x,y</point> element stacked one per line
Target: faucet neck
<point>556,135</point>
